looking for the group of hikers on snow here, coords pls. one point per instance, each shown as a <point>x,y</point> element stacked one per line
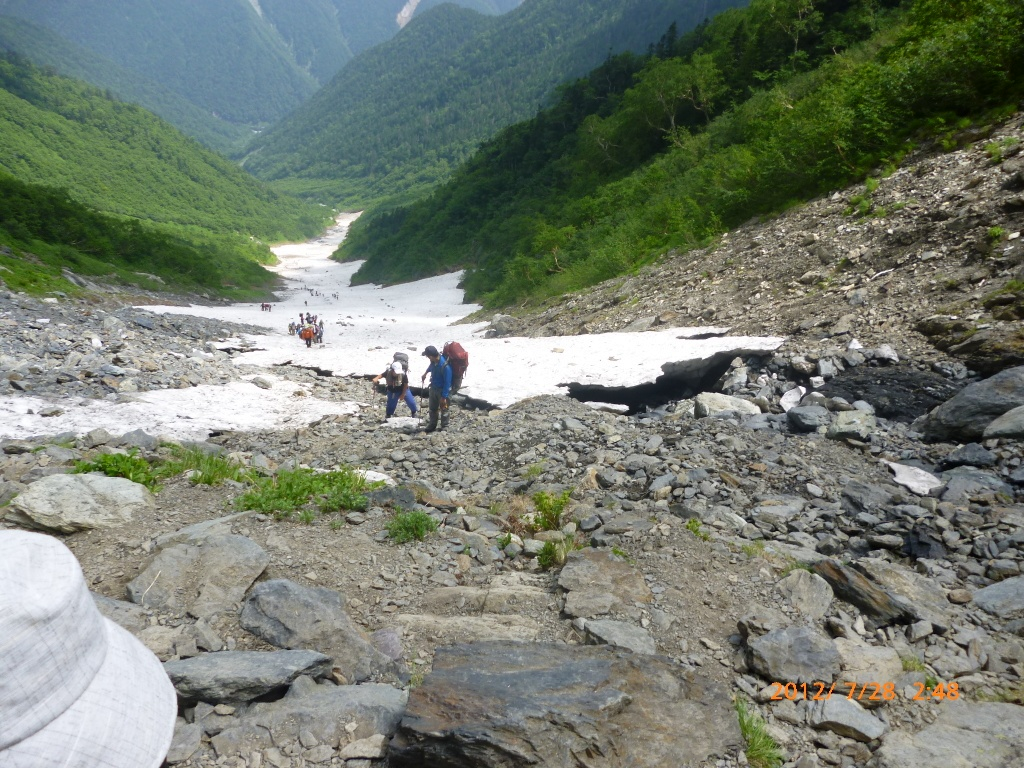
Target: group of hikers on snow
<point>446,369</point>
<point>309,328</point>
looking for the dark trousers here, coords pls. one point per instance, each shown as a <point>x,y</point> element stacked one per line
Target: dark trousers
<point>436,409</point>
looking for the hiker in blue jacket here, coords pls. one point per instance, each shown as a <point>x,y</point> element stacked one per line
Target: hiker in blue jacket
<point>440,387</point>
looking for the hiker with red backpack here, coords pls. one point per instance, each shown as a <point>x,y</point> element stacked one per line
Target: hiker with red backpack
<point>440,387</point>
<point>458,359</point>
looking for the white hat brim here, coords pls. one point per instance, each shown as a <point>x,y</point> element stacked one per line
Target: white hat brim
<point>124,719</point>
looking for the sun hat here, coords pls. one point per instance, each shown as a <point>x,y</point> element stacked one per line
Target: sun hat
<point>396,367</point>
<point>430,351</point>
<point>76,690</point>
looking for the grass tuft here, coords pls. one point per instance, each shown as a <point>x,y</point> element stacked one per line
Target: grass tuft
<point>762,750</point>
<point>410,526</point>
<point>127,465</point>
<point>290,490</point>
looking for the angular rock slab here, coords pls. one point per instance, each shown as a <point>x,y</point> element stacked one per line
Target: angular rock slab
<point>794,655</point>
<point>324,710</point>
<point>807,592</point>
<point>965,416</point>
<point>69,503</point>
<point>234,676</point>
<point>1004,599</point>
<point>599,574</point>
<point>512,705</point>
<point>290,615</point>
<point>620,634</point>
<point>203,578</point>
<point>965,735</point>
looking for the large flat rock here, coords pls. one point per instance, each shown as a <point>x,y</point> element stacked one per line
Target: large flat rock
<point>70,503</point>
<point>232,676</point>
<point>515,705</point>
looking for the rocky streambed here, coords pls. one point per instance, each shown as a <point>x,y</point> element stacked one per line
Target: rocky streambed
<point>772,541</point>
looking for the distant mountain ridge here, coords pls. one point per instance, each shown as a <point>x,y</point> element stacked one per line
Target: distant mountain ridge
<point>400,117</point>
<point>246,63</point>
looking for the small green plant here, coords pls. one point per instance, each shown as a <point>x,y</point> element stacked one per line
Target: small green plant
<point>504,540</point>
<point>995,149</point>
<point>307,516</point>
<point>337,524</point>
<point>534,471</point>
<point>206,468</point>
<point>754,549</point>
<point>930,682</point>
<point>762,751</point>
<point>619,552</point>
<point>550,509</point>
<point>912,664</point>
<point>794,565</point>
<point>693,525</point>
<point>291,490</point>
<point>416,677</point>
<point>127,465</point>
<point>410,526</point>
<point>995,234</point>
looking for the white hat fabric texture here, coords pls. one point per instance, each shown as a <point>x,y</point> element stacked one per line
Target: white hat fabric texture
<point>396,367</point>
<point>76,690</point>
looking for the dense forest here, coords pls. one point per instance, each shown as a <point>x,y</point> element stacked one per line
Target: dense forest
<point>746,115</point>
<point>49,50</point>
<point>400,118</point>
<point>216,69</point>
<point>44,232</point>
<point>117,173</point>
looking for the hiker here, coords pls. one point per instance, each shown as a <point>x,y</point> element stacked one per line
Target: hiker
<point>306,334</point>
<point>76,690</point>
<point>458,359</point>
<point>396,383</point>
<point>440,387</point>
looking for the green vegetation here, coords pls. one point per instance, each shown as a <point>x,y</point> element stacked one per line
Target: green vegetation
<point>127,465</point>
<point>754,549</point>
<point>291,490</point>
<point>693,525</point>
<point>550,509</point>
<point>762,750</point>
<point>400,118</point>
<point>413,525</point>
<point>206,468</point>
<point>912,664</point>
<point>107,189</point>
<point>757,110</point>
<point>48,232</point>
<point>49,50</point>
<point>219,54</point>
<point>554,553</point>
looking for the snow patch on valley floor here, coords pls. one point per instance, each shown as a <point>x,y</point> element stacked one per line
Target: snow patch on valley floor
<point>366,324</point>
<point>178,414</point>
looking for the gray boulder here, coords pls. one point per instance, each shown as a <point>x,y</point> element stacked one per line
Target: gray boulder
<point>1004,599</point>
<point>70,503</point>
<point>712,404</point>
<point>965,416</point>
<point>203,578</point>
<point>290,615</point>
<point>620,634</point>
<point>807,592</point>
<point>321,710</point>
<point>807,418</point>
<point>794,654</point>
<point>234,676</point>
<point>965,735</point>
<point>516,705</point>
<point>845,717</point>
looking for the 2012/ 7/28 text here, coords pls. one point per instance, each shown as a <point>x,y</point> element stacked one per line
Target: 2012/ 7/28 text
<point>869,691</point>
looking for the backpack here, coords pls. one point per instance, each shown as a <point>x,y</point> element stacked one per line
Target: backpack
<point>457,357</point>
<point>401,357</point>
<point>307,333</point>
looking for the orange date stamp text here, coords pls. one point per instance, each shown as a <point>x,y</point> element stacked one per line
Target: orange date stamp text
<point>869,691</point>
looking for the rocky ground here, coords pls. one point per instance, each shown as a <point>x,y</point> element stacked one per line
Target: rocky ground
<point>813,522</point>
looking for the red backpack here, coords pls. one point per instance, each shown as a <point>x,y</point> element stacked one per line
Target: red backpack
<point>458,358</point>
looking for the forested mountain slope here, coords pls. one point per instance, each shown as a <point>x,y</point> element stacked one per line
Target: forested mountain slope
<point>48,49</point>
<point>237,62</point>
<point>117,159</point>
<point>764,107</point>
<point>398,119</point>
